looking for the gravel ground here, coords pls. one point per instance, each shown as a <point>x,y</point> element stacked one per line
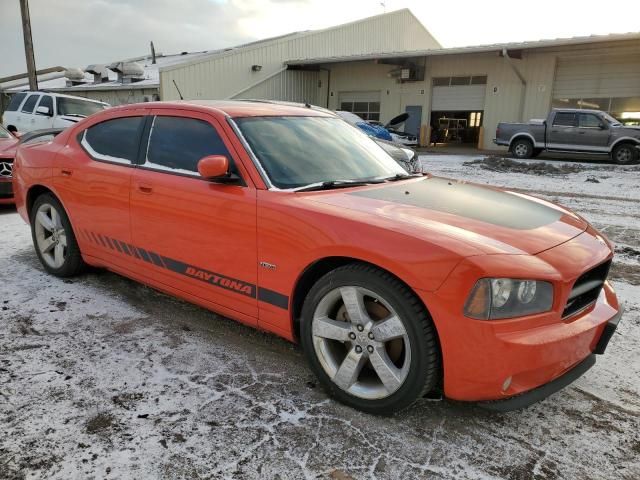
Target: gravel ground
<point>101,377</point>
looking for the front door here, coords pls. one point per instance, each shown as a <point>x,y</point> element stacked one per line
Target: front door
<point>191,234</point>
<point>592,133</point>
<point>412,124</point>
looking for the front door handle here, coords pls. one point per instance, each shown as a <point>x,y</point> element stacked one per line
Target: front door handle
<point>66,173</point>
<point>145,188</point>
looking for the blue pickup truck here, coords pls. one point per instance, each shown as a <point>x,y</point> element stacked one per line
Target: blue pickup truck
<point>591,132</point>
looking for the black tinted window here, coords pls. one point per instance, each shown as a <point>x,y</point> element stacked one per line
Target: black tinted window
<point>565,119</point>
<point>30,103</point>
<point>46,101</point>
<point>15,102</point>
<point>114,140</point>
<point>589,120</point>
<point>179,143</point>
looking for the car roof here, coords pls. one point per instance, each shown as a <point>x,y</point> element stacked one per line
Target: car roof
<point>577,110</point>
<point>55,94</point>
<point>236,108</point>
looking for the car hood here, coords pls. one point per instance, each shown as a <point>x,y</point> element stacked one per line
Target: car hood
<point>489,219</point>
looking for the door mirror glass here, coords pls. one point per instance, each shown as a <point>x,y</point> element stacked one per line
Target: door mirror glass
<point>213,167</point>
<point>43,111</point>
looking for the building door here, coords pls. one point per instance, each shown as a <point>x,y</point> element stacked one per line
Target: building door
<point>412,124</point>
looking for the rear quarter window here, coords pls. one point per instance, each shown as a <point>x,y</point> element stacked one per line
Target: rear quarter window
<point>114,140</point>
<point>15,102</point>
<point>565,119</point>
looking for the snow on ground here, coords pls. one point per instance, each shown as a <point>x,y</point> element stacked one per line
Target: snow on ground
<point>101,377</point>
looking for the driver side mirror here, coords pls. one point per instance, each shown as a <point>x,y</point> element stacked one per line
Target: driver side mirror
<point>216,169</point>
<point>44,111</point>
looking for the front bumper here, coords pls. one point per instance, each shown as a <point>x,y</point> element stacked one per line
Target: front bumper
<point>498,359</point>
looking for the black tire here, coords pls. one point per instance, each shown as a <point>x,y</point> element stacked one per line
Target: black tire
<point>522,148</point>
<point>72,263</point>
<point>625,154</point>
<point>423,369</point>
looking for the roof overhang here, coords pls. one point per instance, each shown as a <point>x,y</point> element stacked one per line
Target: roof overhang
<point>498,48</point>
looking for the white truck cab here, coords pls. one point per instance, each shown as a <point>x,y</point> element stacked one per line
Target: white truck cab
<point>28,111</point>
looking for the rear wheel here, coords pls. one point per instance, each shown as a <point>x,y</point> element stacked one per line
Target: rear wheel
<point>369,339</point>
<point>625,154</point>
<point>522,148</point>
<point>53,238</point>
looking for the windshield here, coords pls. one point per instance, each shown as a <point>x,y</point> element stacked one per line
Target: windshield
<point>610,120</point>
<point>4,133</point>
<point>72,106</point>
<point>298,151</point>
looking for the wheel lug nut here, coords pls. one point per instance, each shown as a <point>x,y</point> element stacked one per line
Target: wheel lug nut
<point>370,349</point>
<point>371,335</point>
<point>352,336</point>
<point>358,349</point>
<point>360,328</point>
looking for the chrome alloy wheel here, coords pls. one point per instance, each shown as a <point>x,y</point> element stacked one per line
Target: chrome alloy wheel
<point>51,238</point>
<point>361,342</point>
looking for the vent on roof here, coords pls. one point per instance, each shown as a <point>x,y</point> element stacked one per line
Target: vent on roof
<point>74,76</point>
<point>99,72</point>
<point>128,72</point>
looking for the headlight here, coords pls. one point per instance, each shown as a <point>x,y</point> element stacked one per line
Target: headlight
<point>496,298</point>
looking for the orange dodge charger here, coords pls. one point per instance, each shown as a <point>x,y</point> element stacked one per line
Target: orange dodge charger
<point>290,220</point>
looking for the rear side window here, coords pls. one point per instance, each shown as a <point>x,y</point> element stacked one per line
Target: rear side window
<point>15,102</point>
<point>178,143</point>
<point>46,101</point>
<point>30,104</point>
<point>114,140</point>
<point>565,119</point>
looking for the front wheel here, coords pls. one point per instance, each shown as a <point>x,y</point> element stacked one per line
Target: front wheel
<point>53,238</point>
<point>369,339</point>
<point>625,154</point>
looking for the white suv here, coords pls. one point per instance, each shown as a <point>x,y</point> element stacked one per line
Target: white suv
<point>29,111</point>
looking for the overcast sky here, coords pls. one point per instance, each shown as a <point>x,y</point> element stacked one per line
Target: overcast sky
<point>79,32</point>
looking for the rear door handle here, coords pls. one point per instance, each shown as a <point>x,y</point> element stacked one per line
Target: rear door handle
<point>66,173</point>
<point>145,188</point>
<point>582,133</point>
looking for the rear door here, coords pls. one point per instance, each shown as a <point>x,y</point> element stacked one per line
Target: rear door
<point>562,134</point>
<point>192,234</point>
<point>25,118</point>
<point>92,174</point>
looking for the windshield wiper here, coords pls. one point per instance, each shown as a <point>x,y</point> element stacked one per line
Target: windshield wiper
<point>331,184</point>
<point>402,176</point>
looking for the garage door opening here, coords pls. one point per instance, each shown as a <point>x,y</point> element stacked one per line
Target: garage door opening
<point>456,128</point>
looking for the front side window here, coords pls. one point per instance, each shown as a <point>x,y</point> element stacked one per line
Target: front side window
<point>179,143</point>
<point>78,108</point>
<point>589,120</point>
<point>114,140</point>
<point>298,151</point>
<point>15,102</point>
<point>30,104</point>
<point>565,119</point>
<point>47,101</point>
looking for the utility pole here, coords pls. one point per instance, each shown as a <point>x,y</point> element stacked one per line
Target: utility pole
<point>28,45</point>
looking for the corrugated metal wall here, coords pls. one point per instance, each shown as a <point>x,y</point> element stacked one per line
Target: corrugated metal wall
<point>598,76</point>
<point>292,85</point>
<point>229,74</point>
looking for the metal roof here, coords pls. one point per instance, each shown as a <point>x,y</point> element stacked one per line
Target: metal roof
<point>496,47</point>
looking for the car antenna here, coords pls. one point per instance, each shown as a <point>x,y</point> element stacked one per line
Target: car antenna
<point>181,97</point>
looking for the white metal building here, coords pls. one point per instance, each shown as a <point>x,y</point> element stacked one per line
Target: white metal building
<point>381,66</point>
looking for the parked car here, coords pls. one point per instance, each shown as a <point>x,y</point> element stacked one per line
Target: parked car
<point>376,131</point>
<point>405,156</point>
<point>398,136</point>
<point>28,111</point>
<point>572,131</point>
<point>289,220</point>
<point>8,144</point>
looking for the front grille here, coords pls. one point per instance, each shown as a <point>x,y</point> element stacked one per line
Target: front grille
<point>586,289</point>
<point>6,190</point>
<point>6,167</point>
